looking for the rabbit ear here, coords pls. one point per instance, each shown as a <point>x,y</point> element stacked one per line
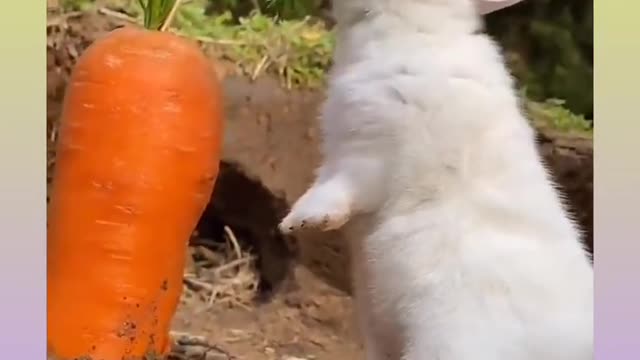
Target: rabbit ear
<point>489,6</point>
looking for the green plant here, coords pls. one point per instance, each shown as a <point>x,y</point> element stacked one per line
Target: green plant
<point>155,12</point>
<point>554,113</point>
<point>298,51</point>
<point>550,47</point>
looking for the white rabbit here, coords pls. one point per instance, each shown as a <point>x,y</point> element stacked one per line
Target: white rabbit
<point>461,246</point>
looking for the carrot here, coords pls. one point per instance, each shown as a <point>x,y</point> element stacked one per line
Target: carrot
<point>137,158</point>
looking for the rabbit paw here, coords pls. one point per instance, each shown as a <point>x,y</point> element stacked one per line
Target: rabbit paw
<point>323,208</point>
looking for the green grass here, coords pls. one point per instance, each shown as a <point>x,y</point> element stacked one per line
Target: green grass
<point>553,113</point>
<point>297,51</point>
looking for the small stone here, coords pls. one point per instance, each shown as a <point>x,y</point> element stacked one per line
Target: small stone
<point>236,332</point>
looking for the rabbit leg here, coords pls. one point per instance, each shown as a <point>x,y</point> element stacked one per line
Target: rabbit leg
<point>324,206</point>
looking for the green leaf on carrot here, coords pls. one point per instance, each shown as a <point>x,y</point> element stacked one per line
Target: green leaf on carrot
<point>156,12</point>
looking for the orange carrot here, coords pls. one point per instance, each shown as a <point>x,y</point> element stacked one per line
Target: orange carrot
<point>137,157</point>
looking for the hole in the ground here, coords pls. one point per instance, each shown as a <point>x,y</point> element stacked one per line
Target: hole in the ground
<point>253,213</point>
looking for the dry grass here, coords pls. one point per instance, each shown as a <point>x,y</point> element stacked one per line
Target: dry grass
<point>216,275</point>
<point>219,274</point>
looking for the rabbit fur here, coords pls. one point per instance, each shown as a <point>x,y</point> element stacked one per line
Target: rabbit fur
<point>462,248</point>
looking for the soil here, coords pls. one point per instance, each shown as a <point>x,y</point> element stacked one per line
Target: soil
<point>313,321</point>
<point>301,307</point>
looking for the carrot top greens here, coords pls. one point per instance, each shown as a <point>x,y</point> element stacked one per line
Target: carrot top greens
<point>158,13</point>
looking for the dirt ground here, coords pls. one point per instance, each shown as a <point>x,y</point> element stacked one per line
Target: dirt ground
<point>249,293</point>
<point>314,321</point>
